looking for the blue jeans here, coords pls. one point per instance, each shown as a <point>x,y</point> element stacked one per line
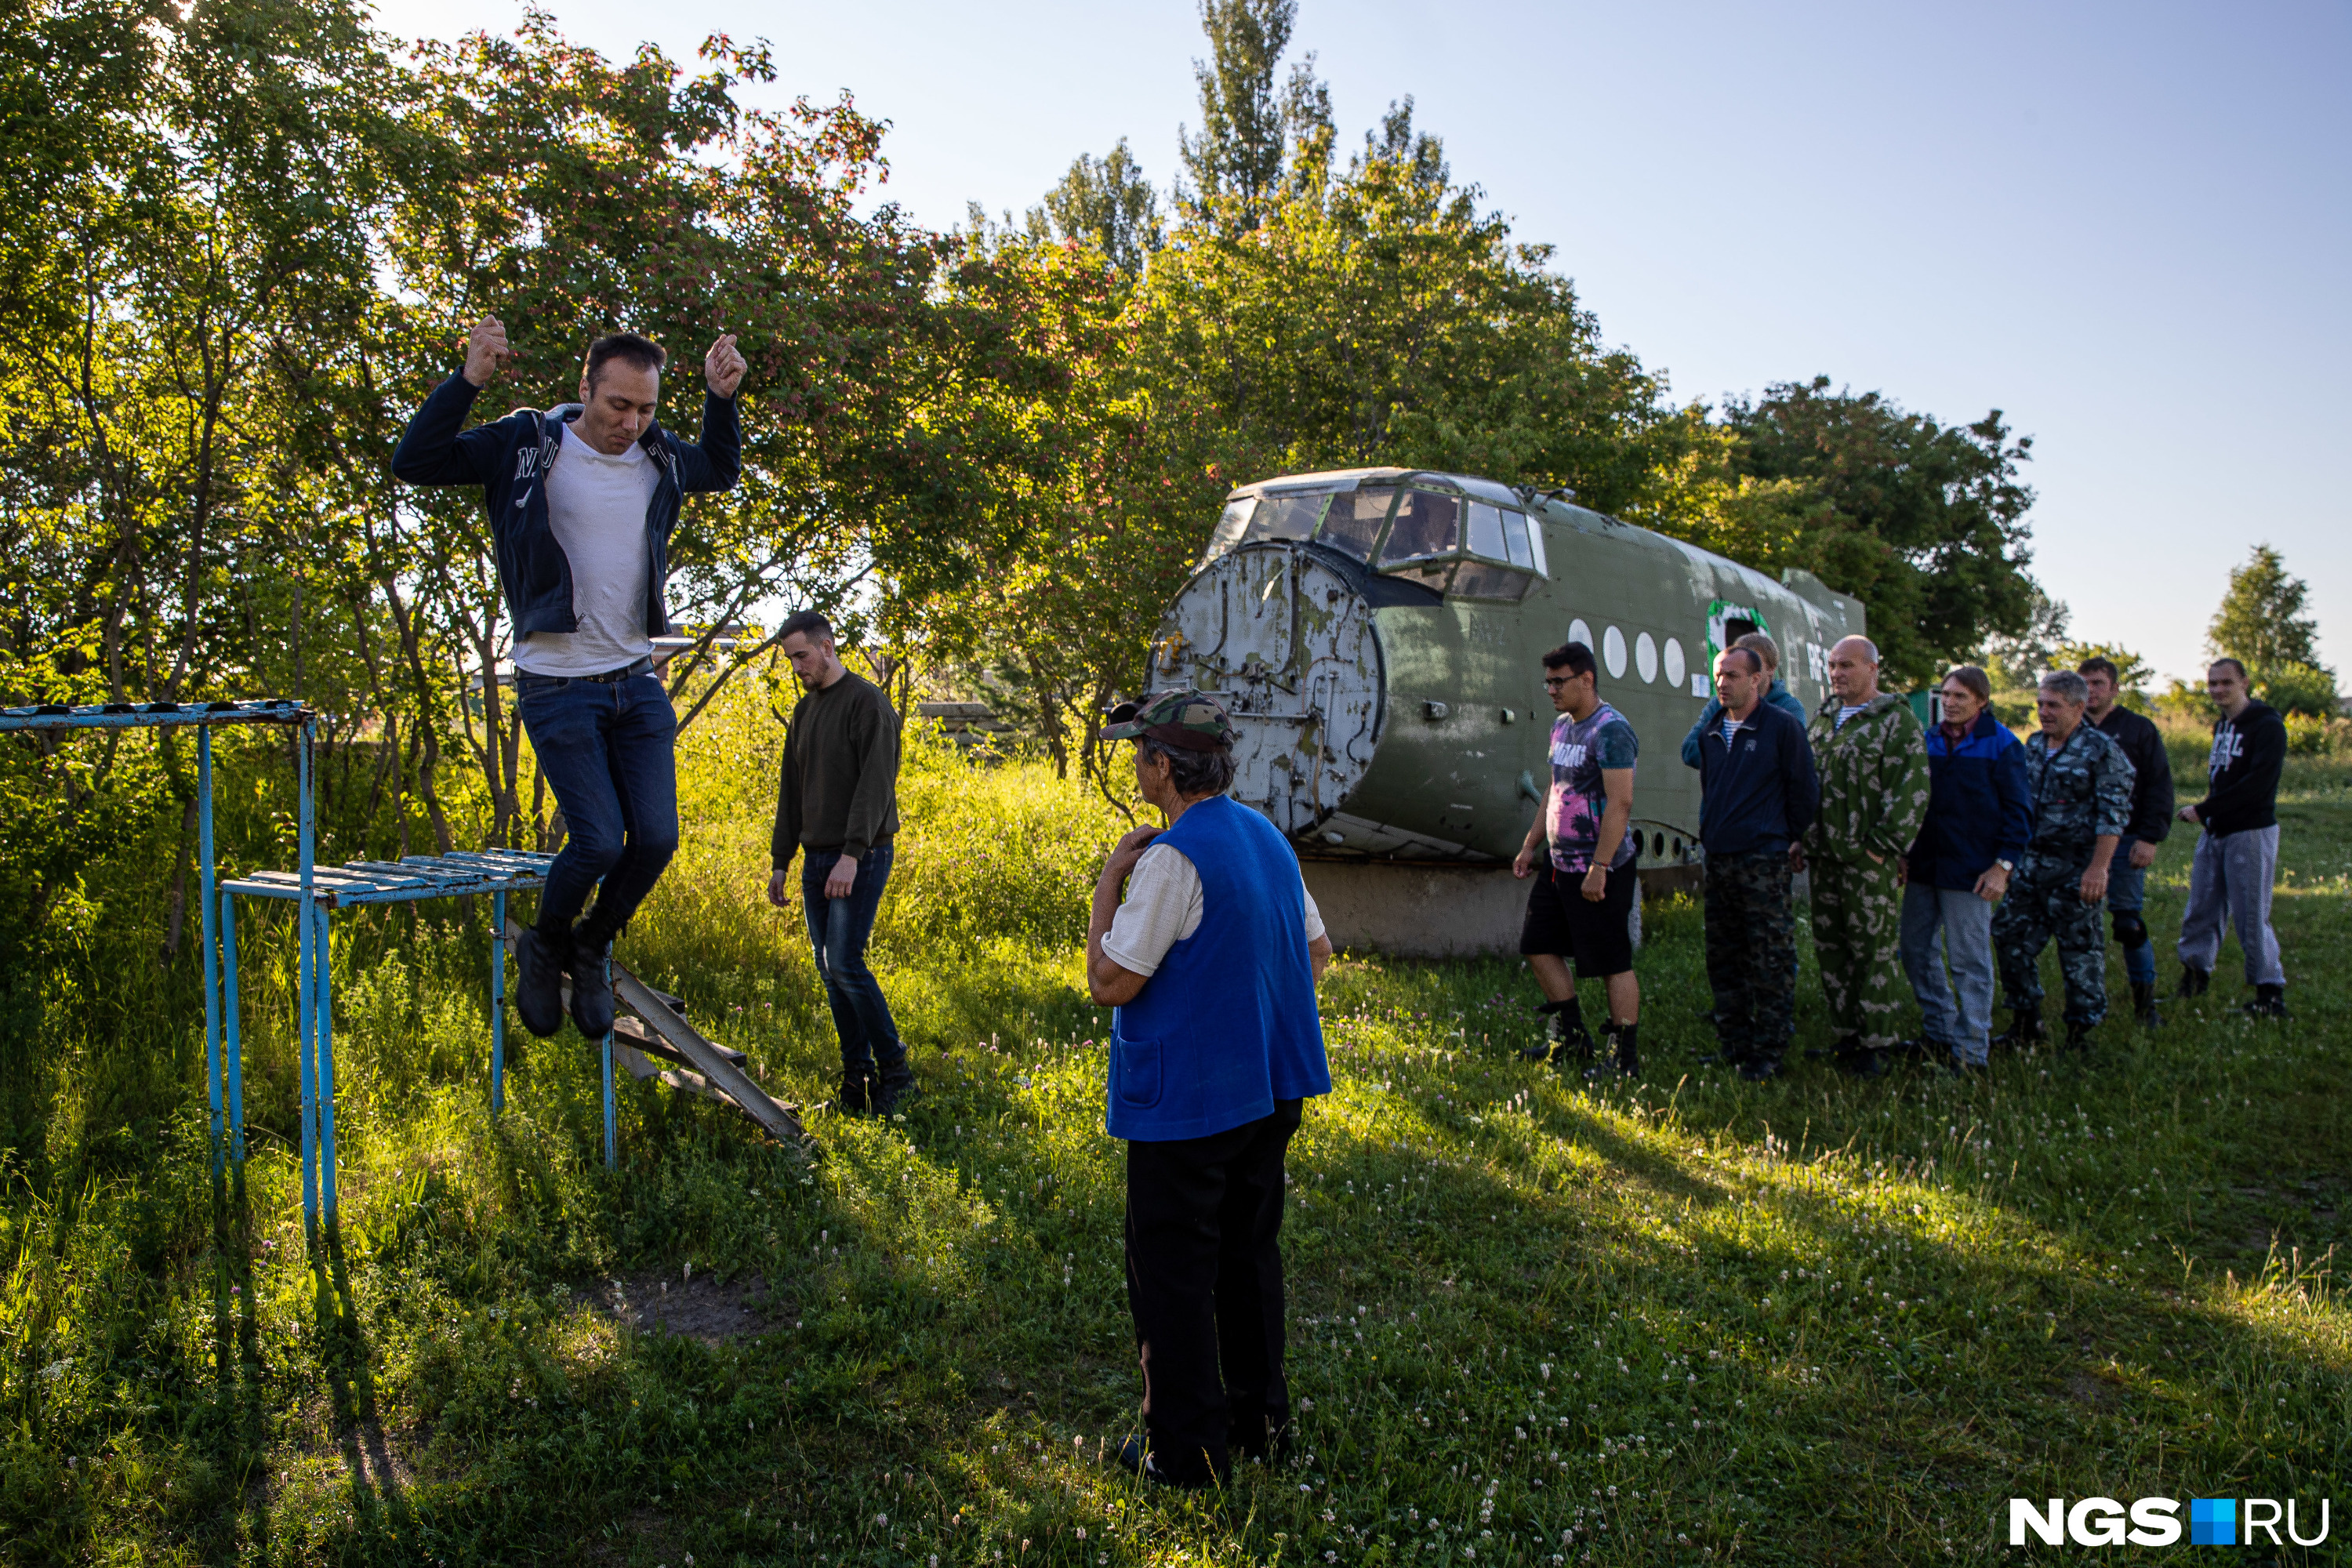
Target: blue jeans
<point>2128,895</point>
<point>838,929</point>
<point>608,750</point>
<point>1966,921</point>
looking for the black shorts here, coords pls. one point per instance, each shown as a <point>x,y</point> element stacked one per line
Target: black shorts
<point>1597,937</point>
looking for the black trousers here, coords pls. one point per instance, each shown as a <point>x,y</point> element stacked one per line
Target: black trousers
<point>1204,1284</point>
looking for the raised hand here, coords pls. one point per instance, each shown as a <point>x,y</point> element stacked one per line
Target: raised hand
<point>486,351</point>
<point>723,367</point>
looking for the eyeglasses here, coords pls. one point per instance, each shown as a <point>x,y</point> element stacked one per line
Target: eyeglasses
<point>1554,682</point>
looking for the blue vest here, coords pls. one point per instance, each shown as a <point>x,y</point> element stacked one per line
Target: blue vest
<point>1227,1025</point>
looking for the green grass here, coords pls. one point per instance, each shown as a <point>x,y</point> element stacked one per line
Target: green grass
<point>1685,1321</point>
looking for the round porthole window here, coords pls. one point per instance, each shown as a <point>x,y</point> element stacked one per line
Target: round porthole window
<point>1612,653</point>
<point>1675,669</point>
<point>1646,657</point>
<point>1579,632</point>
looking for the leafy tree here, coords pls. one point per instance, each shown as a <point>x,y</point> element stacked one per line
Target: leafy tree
<point>1236,159</point>
<point>2261,622</point>
<point>1107,203</point>
<point>2295,687</point>
<point>1923,521</point>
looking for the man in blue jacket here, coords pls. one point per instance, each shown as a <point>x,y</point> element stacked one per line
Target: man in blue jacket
<point>1758,793</point>
<point>1979,821</point>
<point>1216,1044</point>
<point>1777,694</point>
<point>582,499</point>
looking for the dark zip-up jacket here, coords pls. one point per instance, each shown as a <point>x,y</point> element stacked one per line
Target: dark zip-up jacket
<point>2243,774</point>
<point>2143,742</point>
<point>1763,795</point>
<point>510,459</point>
<point>1979,805</point>
<point>1778,696</point>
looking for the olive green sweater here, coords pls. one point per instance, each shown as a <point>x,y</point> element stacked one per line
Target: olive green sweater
<point>840,784</point>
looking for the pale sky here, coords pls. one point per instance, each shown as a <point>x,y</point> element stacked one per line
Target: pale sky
<point>2125,226</point>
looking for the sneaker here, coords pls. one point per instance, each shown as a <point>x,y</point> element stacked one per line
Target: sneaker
<point>1960,1067</point>
<point>2270,1002</point>
<point>1134,1456</point>
<point>857,1090</point>
<point>592,987</point>
<point>539,981</point>
<point>2193,981</point>
<point>1759,1068</point>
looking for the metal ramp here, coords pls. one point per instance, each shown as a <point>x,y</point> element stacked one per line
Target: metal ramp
<point>650,1024</point>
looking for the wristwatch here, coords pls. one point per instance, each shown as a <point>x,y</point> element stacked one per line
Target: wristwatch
<point>2006,866</point>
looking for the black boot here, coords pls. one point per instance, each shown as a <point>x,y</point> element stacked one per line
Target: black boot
<point>592,983</point>
<point>2193,981</point>
<point>2078,1034</point>
<point>1568,1042</point>
<point>2025,1031</point>
<point>540,957</point>
<point>1624,1052</point>
<point>2270,1002</point>
<point>894,1087</point>
<point>857,1090</point>
<point>1857,1060</point>
<point>2144,1005</point>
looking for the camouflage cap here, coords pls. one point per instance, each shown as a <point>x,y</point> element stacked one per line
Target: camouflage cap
<point>1191,721</point>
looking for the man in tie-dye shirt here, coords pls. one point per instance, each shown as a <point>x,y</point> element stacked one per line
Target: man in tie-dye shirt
<point>1580,908</point>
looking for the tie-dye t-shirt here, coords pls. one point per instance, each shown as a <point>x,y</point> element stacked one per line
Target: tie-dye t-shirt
<point>1581,748</point>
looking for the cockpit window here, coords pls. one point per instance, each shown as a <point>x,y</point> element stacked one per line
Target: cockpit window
<point>1515,539</point>
<point>1485,530</point>
<point>1230,527</point>
<point>1425,525</point>
<point>1288,517</point>
<point>1353,523</point>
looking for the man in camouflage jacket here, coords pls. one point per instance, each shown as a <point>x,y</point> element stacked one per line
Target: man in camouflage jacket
<point>2082,793</point>
<point>1872,762</point>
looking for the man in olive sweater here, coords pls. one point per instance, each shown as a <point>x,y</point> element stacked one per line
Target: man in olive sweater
<point>838,800</point>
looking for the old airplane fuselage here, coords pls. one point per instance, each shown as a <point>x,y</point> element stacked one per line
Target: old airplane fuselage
<point>1378,636</point>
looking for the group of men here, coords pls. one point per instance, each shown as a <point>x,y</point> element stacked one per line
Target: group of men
<point>1936,861</point>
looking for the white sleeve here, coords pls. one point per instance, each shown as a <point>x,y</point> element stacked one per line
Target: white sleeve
<point>1164,906</point>
<point>1314,916</point>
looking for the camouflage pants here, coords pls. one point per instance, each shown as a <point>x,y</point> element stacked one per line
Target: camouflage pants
<point>1751,953</point>
<point>1857,937</point>
<point>2045,899</point>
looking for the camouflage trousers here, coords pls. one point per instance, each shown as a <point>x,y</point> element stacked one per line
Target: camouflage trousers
<point>2045,901</point>
<point>1751,953</point>
<point>1858,938</point>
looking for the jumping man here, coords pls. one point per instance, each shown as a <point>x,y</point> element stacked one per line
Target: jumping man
<point>582,499</point>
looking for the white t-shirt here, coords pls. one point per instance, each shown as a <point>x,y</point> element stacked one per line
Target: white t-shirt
<point>1164,907</point>
<point>596,506</point>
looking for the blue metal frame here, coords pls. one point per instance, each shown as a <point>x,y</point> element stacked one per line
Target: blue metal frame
<point>320,890</point>
<point>223,1081</point>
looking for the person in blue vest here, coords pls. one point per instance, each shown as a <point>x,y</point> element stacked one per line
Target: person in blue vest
<point>1210,963</point>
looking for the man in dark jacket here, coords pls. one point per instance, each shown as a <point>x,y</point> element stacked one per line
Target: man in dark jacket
<point>838,800</point>
<point>1757,796</point>
<point>1979,820</point>
<point>582,499</point>
<point>2237,859</point>
<point>2152,820</point>
<point>1777,694</point>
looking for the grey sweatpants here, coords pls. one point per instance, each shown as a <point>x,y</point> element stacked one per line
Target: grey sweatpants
<point>2231,881</point>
